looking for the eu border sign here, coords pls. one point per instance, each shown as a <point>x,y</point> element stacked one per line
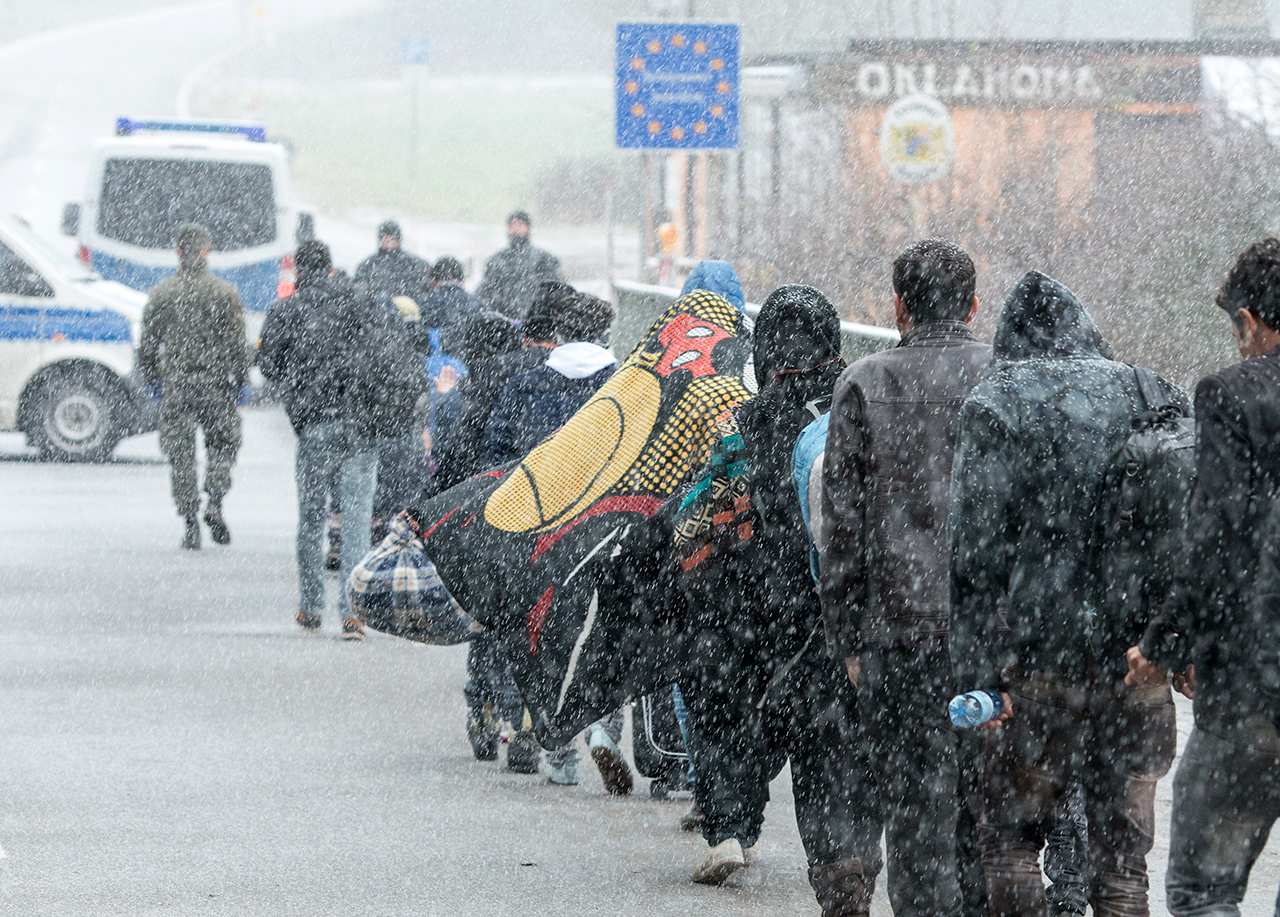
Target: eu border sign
<point>677,86</point>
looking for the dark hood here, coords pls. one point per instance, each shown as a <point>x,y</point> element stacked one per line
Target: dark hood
<point>797,332</point>
<point>1042,318</point>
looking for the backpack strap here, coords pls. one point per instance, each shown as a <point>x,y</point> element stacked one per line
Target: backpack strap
<point>1150,389</point>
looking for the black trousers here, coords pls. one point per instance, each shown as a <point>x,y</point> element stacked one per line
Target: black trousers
<point>746,720</point>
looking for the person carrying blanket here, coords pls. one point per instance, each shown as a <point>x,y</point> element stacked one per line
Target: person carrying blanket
<point>546,555</point>
<point>762,688</point>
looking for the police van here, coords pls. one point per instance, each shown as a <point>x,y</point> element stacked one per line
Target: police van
<point>153,176</point>
<point>67,340</point>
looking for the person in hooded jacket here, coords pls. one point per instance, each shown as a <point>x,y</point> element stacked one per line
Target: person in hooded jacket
<point>1035,440</point>
<point>1221,626</point>
<point>349,378</point>
<point>762,689</point>
<point>884,562</point>
<point>391,271</point>
<point>539,400</point>
<point>715,277</point>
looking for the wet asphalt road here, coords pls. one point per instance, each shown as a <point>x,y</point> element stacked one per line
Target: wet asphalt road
<point>173,745</point>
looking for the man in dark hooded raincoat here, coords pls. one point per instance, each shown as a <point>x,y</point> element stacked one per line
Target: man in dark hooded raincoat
<point>762,688</point>
<point>1035,439</point>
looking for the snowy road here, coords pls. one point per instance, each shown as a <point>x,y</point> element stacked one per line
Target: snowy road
<point>173,745</point>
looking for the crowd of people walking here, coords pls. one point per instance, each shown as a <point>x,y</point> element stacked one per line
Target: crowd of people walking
<point>1032,519</point>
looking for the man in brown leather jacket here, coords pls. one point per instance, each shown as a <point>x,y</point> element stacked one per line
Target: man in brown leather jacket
<point>884,571</point>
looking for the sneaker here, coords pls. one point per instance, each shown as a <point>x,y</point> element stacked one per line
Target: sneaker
<point>352,628</point>
<point>565,774</point>
<point>524,754</point>
<point>722,861</point>
<point>483,735</point>
<point>191,535</point>
<point>693,819</point>
<point>614,770</point>
<point>307,621</point>
<point>218,530</point>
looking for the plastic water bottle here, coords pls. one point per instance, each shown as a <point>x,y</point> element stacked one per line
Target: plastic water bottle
<point>974,708</point>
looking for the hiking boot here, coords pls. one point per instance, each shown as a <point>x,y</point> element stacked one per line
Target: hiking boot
<point>307,621</point>
<point>563,774</point>
<point>524,754</point>
<point>722,861</point>
<point>483,734</point>
<point>842,889</point>
<point>614,770</point>
<point>352,628</point>
<point>218,530</point>
<point>693,819</point>
<point>191,536</point>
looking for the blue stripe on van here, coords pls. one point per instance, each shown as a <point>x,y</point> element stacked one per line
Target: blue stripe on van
<point>34,323</point>
<point>256,282</point>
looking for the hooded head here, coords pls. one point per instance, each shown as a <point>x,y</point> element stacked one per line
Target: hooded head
<point>486,335</point>
<point>715,277</point>
<point>797,332</point>
<point>312,262</point>
<point>389,236</point>
<point>1042,318</point>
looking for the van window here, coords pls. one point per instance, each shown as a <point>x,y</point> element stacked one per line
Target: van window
<point>17,278</point>
<point>144,201</point>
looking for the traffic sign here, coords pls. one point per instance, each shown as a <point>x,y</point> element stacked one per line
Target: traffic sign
<point>414,52</point>
<point>677,86</point>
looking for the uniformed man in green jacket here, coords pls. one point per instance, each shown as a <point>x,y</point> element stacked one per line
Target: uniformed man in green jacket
<point>193,346</point>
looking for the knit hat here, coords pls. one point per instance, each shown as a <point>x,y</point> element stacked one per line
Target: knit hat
<point>553,298</point>
<point>584,318</point>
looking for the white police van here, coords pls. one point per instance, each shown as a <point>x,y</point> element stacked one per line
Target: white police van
<point>67,340</point>
<point>155,175</point>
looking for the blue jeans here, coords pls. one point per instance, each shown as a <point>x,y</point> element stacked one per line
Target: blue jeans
<point>1226,796</point>
<point>325,451</point>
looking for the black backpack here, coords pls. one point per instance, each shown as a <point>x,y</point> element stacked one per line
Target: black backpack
<point>1142,518</point>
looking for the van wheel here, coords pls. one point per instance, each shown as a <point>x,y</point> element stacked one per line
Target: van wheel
<point>74,418</point>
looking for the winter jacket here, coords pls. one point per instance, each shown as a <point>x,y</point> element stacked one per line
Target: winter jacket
<point>538,401</point>
<point>193,333</point>
<point>512,276</point>
<point>339,356</point>
<point>394,273</point>
<point>715,277</point>
<point>448,307</point>
<point>463,422</point>
<point>1207,619</point>
<point>1035,439</point>
<point>750,583</point>
<point>886,488</point>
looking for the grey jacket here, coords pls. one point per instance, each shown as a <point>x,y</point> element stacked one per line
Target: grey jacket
<point>886,488</point>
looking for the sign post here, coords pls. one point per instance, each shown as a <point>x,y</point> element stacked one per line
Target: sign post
<point>415,54</point>
<point>677,86</point>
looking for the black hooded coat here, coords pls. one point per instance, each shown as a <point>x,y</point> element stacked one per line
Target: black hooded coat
<point>1035,439</point>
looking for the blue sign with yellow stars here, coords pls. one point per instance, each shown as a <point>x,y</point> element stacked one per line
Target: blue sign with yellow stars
<point>677,86</point>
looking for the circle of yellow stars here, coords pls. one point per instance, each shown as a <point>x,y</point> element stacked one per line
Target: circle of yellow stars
<point>677,132</point>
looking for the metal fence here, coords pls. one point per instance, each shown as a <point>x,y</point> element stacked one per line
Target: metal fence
<point>639,304</point>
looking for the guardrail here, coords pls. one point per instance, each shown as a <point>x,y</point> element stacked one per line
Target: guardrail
<point>639,304</point>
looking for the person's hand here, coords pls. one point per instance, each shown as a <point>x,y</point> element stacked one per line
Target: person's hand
<point>853,668</point>
<point>1005,714</point>
<point>1143,673</point>
<point>1185,683</point>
